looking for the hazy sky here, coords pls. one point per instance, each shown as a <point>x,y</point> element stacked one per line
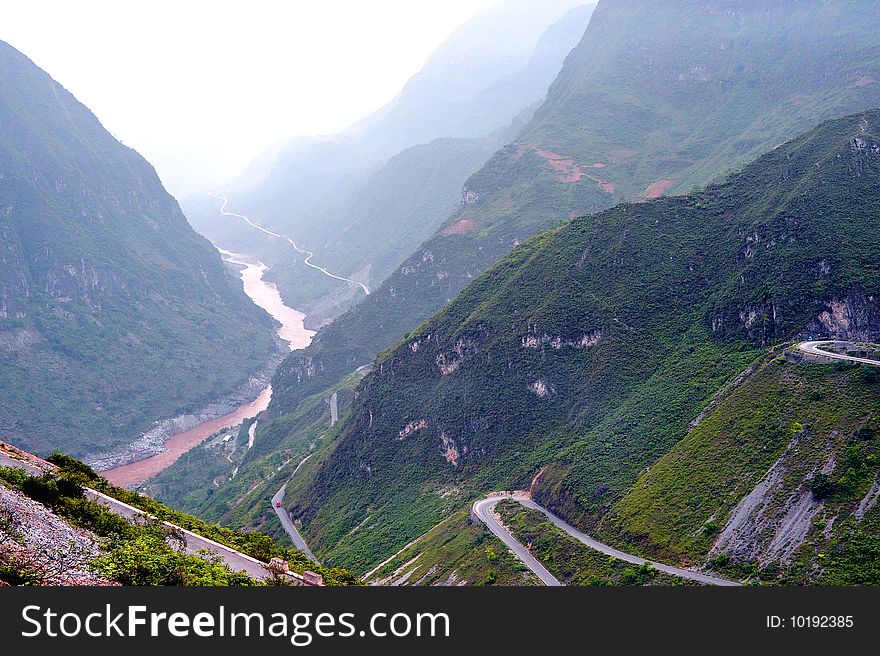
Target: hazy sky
<point>199,87</point>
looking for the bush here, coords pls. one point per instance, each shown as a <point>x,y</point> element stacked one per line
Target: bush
<point>73,466</point>
<point>719,561</point>
<point>148,560</point>
<point>821,487</point>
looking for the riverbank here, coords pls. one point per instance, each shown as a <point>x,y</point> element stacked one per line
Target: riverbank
<point>158,448</point>
<point>153,442</point>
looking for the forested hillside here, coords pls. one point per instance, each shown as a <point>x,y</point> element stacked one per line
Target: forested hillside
<point>656,98</point>
<point>582,357</point>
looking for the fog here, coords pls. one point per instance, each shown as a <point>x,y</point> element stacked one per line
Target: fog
<point>199,87</point>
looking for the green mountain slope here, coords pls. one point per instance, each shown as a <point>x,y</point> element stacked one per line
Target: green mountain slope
<point>764,447</point>
<point>582,356</point>
<point>657,97</point>
<point>113,312</point>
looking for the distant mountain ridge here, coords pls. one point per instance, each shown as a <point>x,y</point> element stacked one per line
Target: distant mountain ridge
<point>656,98</point>
<point>388,182</point>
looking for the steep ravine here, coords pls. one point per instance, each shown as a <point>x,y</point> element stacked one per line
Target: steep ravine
<point>157,449</point>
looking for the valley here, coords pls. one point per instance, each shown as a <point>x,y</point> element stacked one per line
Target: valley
<point>593,300</point>
<point>264,295</point>
<point>309,255</point>
<point>175,446</point>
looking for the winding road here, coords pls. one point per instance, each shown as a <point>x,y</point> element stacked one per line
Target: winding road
<point>309,255</point>
<point>484,509</point>
<point>814,348</point>
<point>286,522</point>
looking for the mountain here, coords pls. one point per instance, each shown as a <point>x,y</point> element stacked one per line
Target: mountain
<point>500,61</point>
<point>363,200</point>
<point>776,483</point>
<point>113,312</point>
<point>579,366</point>
<point>656,98</point>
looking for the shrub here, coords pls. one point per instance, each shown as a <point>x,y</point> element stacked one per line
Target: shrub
<point>710,528</point>
<point>719,561</point>
<point>821,487</point>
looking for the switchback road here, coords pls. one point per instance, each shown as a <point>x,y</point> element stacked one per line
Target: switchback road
<point>484,510</point>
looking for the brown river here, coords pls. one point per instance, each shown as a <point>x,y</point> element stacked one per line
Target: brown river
<point>265,295</point>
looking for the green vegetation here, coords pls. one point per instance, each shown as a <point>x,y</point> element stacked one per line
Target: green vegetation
<point>146,558</point>
<point>456,552</point>
<point>867,351</point>
<point>132,553</point>
<point>62,492</point>
<point>191,483</point>
<point>570,561</point>
<point>794,420</point>
<point>252,543</point>
<point>854,557</point>
<point>672,91</point>
<point>584,355</point>
<point>113,311</point>
<point>202,483</point>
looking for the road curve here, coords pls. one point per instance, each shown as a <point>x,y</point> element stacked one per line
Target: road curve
<point>309,255</point>
<point>813,348</point>
<point>484,508</point>
<point>286,522</point>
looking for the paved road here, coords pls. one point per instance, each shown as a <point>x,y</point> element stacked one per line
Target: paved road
<point>286,522</point>
<point>484,510</point>
<point>194,543</point>
<point>813,348</point>
<point>309,255</point>
<point>236,560</point>
<point>30,468</point>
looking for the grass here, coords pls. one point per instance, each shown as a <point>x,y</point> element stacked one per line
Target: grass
<point>570,561</point>
<point>457,551</point>
<point>803,415</point>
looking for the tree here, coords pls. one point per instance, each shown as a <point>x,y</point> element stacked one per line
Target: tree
<point>821,486</point>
